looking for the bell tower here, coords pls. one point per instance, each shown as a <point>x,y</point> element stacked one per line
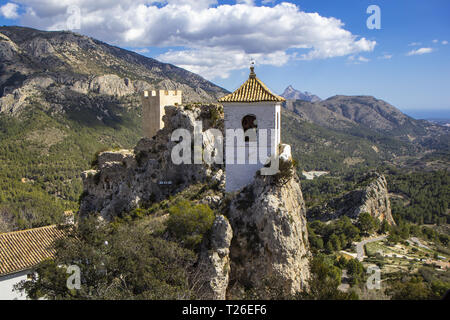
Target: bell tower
<point>256,112</point>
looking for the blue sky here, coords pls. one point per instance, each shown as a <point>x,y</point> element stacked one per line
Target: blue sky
<point>289,43</point>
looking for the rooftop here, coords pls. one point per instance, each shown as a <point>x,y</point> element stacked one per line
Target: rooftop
<point>253,90</point>
<point>23,250</point>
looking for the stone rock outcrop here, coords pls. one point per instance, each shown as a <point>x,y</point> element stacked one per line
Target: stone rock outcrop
<point>372,198</point>
<point>214,261</point>
<point>126,179</point>
<point>375,201</point>
<point>270,239</point>
<point>8,49</point>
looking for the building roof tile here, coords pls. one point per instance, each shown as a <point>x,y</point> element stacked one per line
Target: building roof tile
<point>22,250</point>
<point>253,90</point>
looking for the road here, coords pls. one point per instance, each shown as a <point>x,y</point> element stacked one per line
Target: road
<point>360,246</point>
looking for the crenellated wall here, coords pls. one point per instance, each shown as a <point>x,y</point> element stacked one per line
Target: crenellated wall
<point>153,103</point>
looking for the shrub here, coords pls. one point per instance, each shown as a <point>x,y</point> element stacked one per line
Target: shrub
<point>189,222</point>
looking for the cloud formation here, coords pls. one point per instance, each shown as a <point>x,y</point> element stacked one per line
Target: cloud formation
<point>225,36</point>
<point>419,51</point>
<point>357,59</point>
<point>9,11</point>
<point>386,56</point>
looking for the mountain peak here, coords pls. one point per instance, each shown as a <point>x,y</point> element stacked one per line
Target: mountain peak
<point>290,93</point>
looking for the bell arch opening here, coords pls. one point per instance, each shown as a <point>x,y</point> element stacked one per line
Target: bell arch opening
<point>249,125</point>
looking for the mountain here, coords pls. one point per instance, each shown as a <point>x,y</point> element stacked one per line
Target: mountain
<point>63,97</point>
<point>33,58</point>
<point>292,94</point>
<point>361,114</point>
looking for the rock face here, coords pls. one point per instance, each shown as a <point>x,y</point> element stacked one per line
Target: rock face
<point>375,200</point>
<point>270,239</point>
<point>126,179</point>
<point>266,220</point>
<point>214,262</point>
<point>372,198</point>
<point>82,65</point>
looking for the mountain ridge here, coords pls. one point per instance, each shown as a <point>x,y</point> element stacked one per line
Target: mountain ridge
<point>369,113</point>
<point>292,94</point>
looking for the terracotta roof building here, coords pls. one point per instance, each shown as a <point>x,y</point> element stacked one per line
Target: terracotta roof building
<point>22,250</point>
<point>252,90</point>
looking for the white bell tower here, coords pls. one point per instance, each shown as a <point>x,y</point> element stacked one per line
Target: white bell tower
<point>251,108</point>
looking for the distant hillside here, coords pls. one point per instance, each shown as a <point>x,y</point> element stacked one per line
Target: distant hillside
<point>362,113</point>
<point>63,97</point>
<point>292,94</point>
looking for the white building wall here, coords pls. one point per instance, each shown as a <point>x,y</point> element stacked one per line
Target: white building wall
<point>7,285</point>
<point>240,175</point>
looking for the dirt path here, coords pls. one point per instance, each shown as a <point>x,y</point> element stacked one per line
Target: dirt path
<point>360,246</point>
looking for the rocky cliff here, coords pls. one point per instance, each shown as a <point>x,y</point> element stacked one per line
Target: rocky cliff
<point>259,233</point>
<point>371,197</point>
<point>126,179</point>
<point>270,240</point>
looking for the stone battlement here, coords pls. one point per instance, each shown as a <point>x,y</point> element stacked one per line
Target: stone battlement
<point>153,104</point>
<point>159,93</point>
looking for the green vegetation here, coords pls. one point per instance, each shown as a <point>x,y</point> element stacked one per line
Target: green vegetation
<point>43,153</point>
<point>423,196</point>
<point>189,222</point>
<point>366,223</point>
<point>427,284</point>
<point>339,151</point>
<point>405,230</point>
<point>355,269</point>
<point>126,262</point>
<point>324,281</point>
<point>334,236</point>
<point>146,254</point>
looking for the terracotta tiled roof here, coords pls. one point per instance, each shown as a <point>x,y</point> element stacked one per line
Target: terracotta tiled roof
<point>22,250</point>
<point>253,90</point>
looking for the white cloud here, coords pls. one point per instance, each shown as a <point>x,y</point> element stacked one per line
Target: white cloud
<point>435,41</point>
<point>385,56</point>
<point>419,51</point>
<point>219,62</point>
<point>247,2</point>
<point>141,50</point>
<point>414,44</point>
<point>9,11</point>
<point>357,59</point>
<point>363,59</point>
<point>444,42</point>
<point>203,28</point>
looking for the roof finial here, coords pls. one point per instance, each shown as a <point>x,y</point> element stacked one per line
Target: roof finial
<point>252,69</point>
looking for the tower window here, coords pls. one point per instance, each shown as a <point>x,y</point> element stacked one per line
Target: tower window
<point>249,123</point>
